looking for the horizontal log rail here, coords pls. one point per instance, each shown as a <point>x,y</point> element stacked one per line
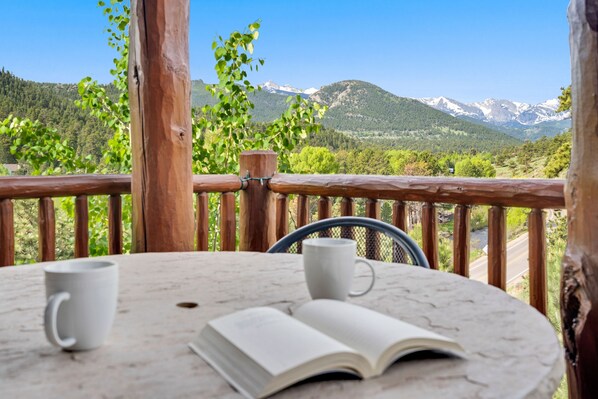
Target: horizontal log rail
<point>537,194</point>
<point>526,193</point>
<point>44,188</point>
<point>28,187</point>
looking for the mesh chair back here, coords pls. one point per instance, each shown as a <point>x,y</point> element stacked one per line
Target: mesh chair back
<point>375,239</point>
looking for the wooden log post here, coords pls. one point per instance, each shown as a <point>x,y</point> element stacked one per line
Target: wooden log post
<point>7,233</point>
<point>461,240</point>
<point>302,210</point>
<point>257,219</point>
<point>497,247</point>
<point>430,234</point>
<point>160,102</point>
<point>399,220</point>
<point>537,260</point>
<point>579,289</point>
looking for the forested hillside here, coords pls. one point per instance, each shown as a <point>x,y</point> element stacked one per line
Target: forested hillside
<point>53,105</point>
<point>376,115</point>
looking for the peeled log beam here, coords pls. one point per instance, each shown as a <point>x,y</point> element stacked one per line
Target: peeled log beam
<point>529,193</point>
<point>579,290</point>
<point>160,102</point>
<point>7,233</point>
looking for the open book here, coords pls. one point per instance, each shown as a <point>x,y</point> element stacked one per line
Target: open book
<point>263,350</point>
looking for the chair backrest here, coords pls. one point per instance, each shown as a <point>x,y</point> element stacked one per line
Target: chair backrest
<point>376,240</point>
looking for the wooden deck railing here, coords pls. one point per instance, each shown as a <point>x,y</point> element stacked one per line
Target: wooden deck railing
<point>537,194</point>
<point>259,227</point>
<point>44,188</point>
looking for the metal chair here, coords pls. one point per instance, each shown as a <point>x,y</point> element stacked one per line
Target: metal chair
<point>376,240</point>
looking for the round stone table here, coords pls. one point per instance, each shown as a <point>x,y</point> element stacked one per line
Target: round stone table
<point>514,352</point>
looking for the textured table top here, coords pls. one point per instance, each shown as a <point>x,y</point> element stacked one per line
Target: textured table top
<point>514,352</point>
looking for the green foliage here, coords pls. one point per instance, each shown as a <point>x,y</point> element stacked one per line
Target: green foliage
<point>559,162</point>
<point>369,161</point>
<point>314,160</point>
<point>223,130</point>
<point>51,105</point>
<point>42,148</point>
<point>516,220</point>
<point>565,99</point>
<point>474,167</point>
<point>113,113</point>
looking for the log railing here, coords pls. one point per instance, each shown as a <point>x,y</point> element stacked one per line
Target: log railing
<point>264,208</point>
<point>537,194</point>
<point>44,188</point>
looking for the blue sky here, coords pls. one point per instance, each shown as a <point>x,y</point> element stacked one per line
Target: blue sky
<point>468,50</point>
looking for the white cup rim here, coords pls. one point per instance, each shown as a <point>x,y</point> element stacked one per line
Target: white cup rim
<point>329,242</point>
<point>79,266</point>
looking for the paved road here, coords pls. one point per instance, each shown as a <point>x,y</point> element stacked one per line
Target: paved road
<point>517,262</point>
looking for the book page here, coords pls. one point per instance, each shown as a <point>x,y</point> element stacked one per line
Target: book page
<point>369,332</point>
<point>274,340</point>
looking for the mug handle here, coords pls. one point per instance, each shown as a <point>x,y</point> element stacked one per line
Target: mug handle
<point>50,320</point>
<point>360,293</point>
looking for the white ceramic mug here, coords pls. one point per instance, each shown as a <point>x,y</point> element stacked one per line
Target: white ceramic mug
<point>81,297</point>
<point>329,265</point>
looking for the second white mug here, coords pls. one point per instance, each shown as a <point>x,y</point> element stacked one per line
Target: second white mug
<point>329,265</point>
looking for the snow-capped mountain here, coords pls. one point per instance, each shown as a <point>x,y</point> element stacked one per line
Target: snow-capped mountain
<point>500,112</point>
<point>287,90</point>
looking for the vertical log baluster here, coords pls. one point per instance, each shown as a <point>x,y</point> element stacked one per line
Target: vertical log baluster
<point>7,233</point>
<point>324,208</point>
<point>461,240</point>
<point>537,260</point>
<point>347,209</point>
<point>81,227</point>
<point>115,227</point>
<point>202,223</point>
<point>47,229</point>
<point>399,220</point>
<point>282,219</point>
<point>372,239</point>
<point>399,215</point>
<point>228,222</point>
<point>324,212</point>
<point>302,215</point>
<point>497,247</point>
<point>430,234</point>
<point>302,210</point>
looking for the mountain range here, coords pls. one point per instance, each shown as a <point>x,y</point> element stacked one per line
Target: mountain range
<point>521,120</point>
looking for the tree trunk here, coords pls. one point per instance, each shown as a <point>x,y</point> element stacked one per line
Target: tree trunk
<point>579,290</point>
<point>160,101</point>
